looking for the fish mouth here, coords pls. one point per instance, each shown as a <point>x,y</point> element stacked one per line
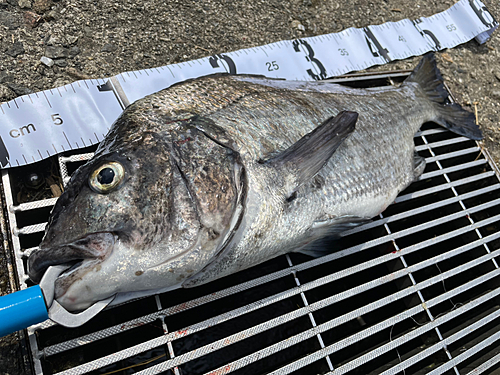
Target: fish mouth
<point>93,247</point>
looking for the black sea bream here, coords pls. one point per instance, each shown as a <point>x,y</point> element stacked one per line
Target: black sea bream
<point>218,174</point>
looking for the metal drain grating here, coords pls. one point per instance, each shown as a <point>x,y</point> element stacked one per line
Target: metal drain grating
<point>415,291</point>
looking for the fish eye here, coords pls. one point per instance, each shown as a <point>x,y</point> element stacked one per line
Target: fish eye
<point>106,177</point>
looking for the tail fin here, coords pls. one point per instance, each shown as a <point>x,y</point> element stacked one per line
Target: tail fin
<point>450,115</point>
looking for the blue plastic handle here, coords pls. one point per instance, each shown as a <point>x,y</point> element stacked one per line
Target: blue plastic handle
<point>22,309</point>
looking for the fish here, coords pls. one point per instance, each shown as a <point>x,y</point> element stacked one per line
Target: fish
<point>221,173</point>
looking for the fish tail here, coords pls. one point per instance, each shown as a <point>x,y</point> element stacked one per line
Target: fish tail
<point>450,115</point>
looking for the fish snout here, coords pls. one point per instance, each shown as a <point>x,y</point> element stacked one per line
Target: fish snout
<point>93,246</point>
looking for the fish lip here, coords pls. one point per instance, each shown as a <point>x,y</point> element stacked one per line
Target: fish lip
<point>65,280</point>
<point>92,246</point>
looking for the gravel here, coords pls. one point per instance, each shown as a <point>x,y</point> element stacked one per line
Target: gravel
<point>86,39</point>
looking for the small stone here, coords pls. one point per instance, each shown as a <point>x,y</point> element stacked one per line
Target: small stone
<point>31,19</point>
<point>61,62</point>
<point>73,51</point>
<point>6,94</point>
<point>495,94</point>
<point>496,73</point>
<point>10,20</point>
<point>297,25</point>
<point>51,40</point>
<point>72,39</point>
<point>47,61</point>
<point>18,89</point>
<point>25,4</point>
<point>77,74</point>
<point>61,82</point>
<point>446,57</point>
<point>50,15</point>
<point>56,52</point>
<point>108,47</point>
<point>16,49</point>
<point>41,6</point>
<point>5,77</point>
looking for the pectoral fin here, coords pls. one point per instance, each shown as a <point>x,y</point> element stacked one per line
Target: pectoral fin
<point>306,157</point>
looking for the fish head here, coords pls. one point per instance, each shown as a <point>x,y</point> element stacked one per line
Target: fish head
<point>132,219</point>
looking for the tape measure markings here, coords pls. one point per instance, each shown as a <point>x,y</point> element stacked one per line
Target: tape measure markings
<point>91,107</point>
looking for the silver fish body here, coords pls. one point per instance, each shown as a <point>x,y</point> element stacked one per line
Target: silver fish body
<point>223,173</point>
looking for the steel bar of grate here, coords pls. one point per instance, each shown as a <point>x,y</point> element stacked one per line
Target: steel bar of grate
<point>420,295</point>
<point>63,169</point>
<point>35,228</point>
<point>33,205</point>
<point>75,158</point>
<point>452,169</point>
<point>165,331</point>
<point>453,154</point>
<point>310,314</point>
<point>492,164</point>
<point>383,325</point>
<point>99,335</point>
<point>13,224</point>
<point>27,252</point>
<point>470,352</point>
<point>435,189</point>
<point>438,346</point>
<point>485,365</point>
<point>279,320</point>
<point>359,312</point>
<point>441,143</point>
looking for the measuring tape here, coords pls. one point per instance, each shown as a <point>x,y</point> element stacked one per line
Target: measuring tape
<point>36,126</point>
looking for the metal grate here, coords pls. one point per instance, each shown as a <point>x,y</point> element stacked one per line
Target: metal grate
<point>415,291</point>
